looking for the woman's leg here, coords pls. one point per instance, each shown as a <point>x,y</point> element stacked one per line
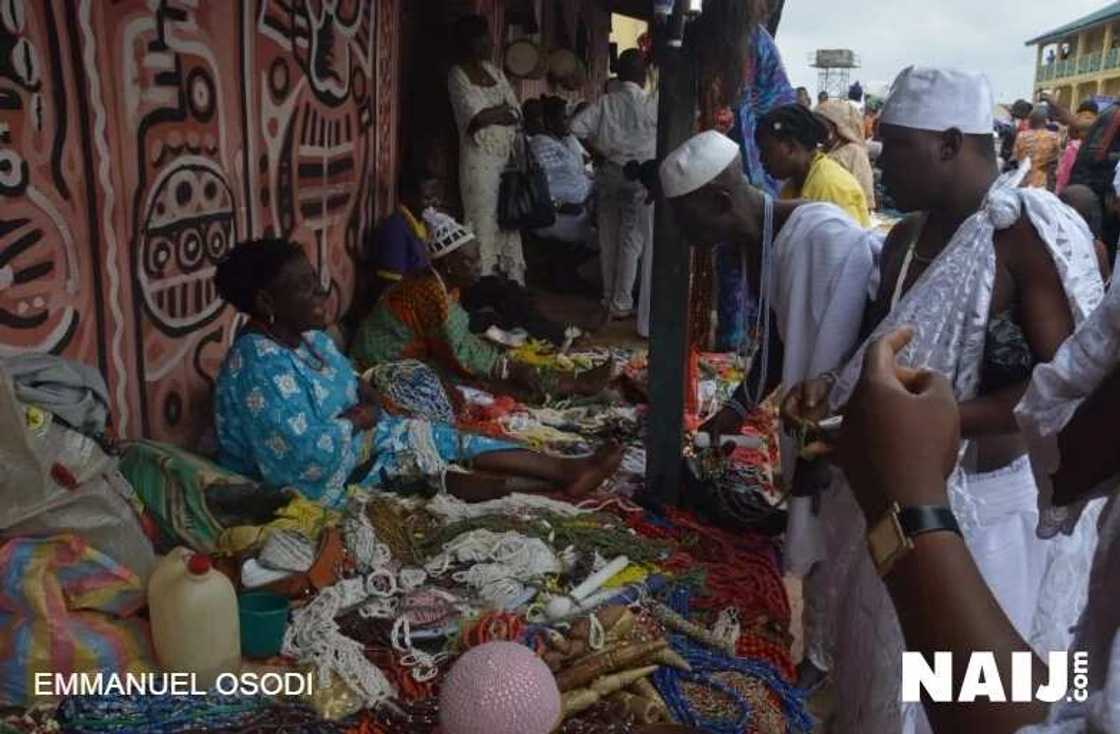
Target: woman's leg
<point>480,486</point>
<point>591,382</point>
<point>577,477</point>
<point>558,383</point>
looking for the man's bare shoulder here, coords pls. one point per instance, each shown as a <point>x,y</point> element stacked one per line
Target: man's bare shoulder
<point>902,234</point>
<point>1020,240</point>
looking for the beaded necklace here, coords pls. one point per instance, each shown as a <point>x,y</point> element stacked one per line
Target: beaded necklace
<point>763,316</point>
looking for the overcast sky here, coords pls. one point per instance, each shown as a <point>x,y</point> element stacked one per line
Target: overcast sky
<point>888,35</point>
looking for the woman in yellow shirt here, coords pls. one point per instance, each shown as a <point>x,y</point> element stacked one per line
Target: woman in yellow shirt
<point>789,140</point>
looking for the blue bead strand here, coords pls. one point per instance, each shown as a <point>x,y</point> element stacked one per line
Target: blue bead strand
<point>706,662</point>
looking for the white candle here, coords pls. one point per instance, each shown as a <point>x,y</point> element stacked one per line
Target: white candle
<point>600,577</point>
<point>703,441</point>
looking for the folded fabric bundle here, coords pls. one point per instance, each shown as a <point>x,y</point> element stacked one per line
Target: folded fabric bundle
<point>192,499</point>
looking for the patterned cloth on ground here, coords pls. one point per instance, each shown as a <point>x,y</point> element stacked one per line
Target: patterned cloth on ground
<point>192,499</point>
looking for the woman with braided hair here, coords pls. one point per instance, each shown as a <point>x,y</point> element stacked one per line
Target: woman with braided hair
<point>790,138</point>
<point>290,410</point>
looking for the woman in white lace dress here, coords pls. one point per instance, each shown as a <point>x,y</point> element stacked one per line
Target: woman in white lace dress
<point>486,115</point>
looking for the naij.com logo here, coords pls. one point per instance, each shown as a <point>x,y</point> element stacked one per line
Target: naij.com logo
<point>983,680</point>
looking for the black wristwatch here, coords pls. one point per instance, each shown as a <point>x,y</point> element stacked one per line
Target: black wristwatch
<point>893,536</point>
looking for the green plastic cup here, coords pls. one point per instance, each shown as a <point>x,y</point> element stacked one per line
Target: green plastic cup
<point>264,617</point>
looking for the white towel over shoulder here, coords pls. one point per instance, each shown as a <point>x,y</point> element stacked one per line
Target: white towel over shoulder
<point>822,264</point>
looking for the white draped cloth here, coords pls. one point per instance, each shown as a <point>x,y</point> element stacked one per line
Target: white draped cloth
<point>483,155</point>
<point>949,308</point>
<point>822,263</point>
<point>1056,391</point>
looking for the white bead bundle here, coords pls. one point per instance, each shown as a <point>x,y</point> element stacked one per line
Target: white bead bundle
<point>502,563</point>
<point>313,636</point>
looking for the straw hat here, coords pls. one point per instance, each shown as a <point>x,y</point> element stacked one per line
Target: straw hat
<point>524,59</point>
<point>563,63</point>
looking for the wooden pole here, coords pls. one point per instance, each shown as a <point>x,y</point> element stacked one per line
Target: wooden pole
<point>669,310</point>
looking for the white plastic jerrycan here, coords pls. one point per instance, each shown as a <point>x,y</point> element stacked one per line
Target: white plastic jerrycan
<point>193,611</point>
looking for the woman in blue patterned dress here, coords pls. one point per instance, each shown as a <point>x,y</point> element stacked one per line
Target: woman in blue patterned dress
<point>291,411</point>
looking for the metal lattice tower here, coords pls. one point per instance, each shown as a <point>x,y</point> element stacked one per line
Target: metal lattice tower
<point>834,70</point>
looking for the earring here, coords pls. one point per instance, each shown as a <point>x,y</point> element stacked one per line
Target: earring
<point>272,319</point>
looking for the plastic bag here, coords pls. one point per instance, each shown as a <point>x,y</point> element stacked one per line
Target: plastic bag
<point>55,480</point>
<point>66,609</point>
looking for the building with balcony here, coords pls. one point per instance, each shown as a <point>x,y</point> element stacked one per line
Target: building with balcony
<point>1081,59</point>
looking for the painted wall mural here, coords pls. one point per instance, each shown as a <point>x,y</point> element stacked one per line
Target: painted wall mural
<point>140,140</point>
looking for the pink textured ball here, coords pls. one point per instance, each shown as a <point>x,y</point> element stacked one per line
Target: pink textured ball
<point>499,688</point>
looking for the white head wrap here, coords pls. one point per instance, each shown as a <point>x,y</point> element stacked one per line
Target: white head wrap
<point>445,235</point>
<point>925,98</point>
<point>696,163</point>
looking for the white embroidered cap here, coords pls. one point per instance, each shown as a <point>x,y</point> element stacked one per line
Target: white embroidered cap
<point>696,163</point>
<point>445,235</point>
<point>927,98</point>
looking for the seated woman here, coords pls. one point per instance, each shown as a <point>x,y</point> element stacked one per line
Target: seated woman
<point>561,156</point>
<point>421,318</point>
<point>789,140</point>
<point>567,243</point>
<point>396,248</point>
<point>290,410</point>
<point>399,248</point>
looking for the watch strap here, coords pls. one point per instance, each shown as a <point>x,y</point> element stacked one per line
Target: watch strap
<point>920,519</point>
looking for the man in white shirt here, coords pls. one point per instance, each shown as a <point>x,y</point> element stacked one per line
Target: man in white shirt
<point>619,128</point>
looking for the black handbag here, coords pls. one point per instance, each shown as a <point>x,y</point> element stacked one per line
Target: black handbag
<point>524,201</point>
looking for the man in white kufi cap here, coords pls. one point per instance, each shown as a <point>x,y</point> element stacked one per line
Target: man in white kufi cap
<point>812,265</point>
<point>810,261</point>
<point>993,278</point>
<point>620,128</point>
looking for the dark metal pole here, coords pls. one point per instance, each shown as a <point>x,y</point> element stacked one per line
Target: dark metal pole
<point>669,311</point>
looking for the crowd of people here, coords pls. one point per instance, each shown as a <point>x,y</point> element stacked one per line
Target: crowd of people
<point>990,291</point>
<point>1048,136</point>
<point>441,301</point>
<point>584,154</point>
<point>969,357</point>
